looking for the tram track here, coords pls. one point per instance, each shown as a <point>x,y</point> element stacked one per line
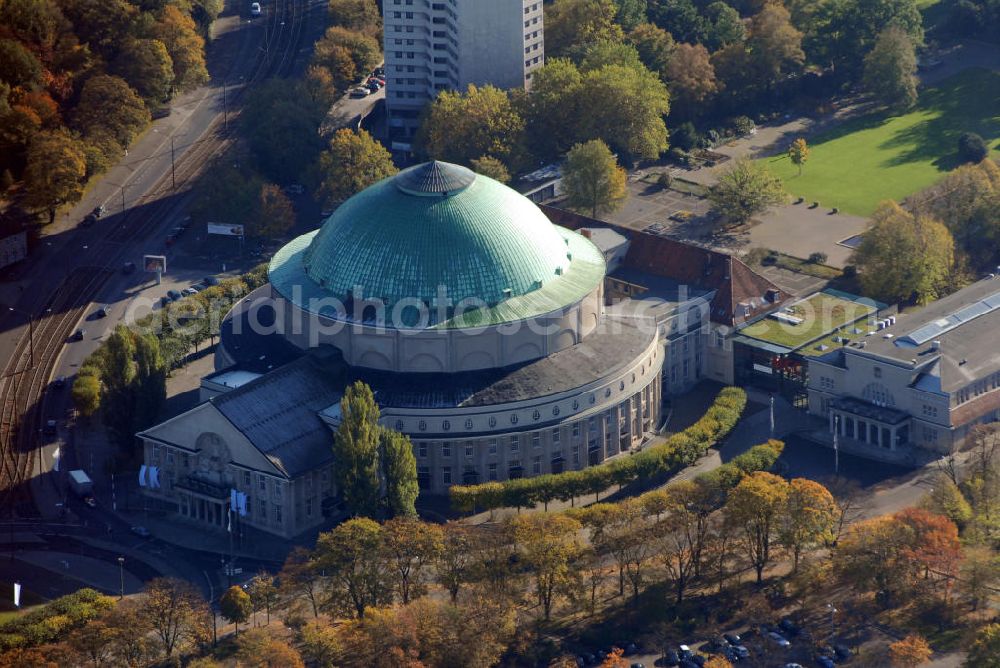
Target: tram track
<point>26,375</point>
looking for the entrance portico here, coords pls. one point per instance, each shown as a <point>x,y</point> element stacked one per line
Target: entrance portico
<point>863,422</point>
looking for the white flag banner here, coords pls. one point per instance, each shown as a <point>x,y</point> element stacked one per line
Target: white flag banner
<point>55,460</point>
<point>142,476</point>
<point>229,521</point>
<point>154,476</point>
<point>17,594</point>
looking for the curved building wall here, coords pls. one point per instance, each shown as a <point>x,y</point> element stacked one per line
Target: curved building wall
<point>444,350</point>
<point>545,434</point>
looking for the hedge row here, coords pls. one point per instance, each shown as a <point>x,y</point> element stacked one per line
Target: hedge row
<point>679,450</point>
<point>54,620</point>
<point>719,481</point>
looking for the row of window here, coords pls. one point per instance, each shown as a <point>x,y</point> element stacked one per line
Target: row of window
<point>978,388</point>
<point>514,469</point>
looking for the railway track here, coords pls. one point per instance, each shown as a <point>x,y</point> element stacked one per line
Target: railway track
<point>26,374</point>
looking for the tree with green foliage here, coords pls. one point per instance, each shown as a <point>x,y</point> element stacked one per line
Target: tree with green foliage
<point>890,74</point>
<point>18,66</point>
<point>227,193</point>
<point>352,162</point>
<point>724,26</point>
<point>364,50</point>
<point>263,594</point>
<point>904,256</point>
<point>592,179</point>
<point>86,394</point>
<point>53,176</point>
<point>491,167</point>
<point>146,65</point>
<point>605,52</point>
<point>572,23</point>
<point>109,105</point>
<point>399,473</point>
<point>655,46</point>
<point>745,190</point>
<point>774,45</point>
<point>985,649</point>
<point>360,15</point>
<point>626,107</point>
<point>356,451</point>
<point>552,110</point>
<point>843,32</point>
<point>280,121</point>
<point>352,555</point>
<point>150,385</point>
<point>630,13</point>
<point>235,605</point>
<point>460,127</point>
<point>972,147</point>
<point>681,18</point>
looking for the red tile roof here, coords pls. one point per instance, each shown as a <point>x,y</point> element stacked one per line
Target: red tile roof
<point>735,283</point>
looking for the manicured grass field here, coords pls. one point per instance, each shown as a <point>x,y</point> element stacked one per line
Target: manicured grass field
<point>821,315</point>
<point>866,160</point>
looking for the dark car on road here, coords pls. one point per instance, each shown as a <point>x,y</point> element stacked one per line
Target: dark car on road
<point>102,311</point>
<point>732,638</point>
<point>174,295</point>
<point>78,335</point>
<point>140,531</point>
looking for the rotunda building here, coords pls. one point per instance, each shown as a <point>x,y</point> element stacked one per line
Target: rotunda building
<point>478,323</point>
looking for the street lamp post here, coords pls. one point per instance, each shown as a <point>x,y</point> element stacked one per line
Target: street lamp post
<point>31,332</point>
<point>121,577</point>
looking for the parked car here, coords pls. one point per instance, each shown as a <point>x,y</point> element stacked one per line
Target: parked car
<point>789,626</point>
<point>59,382</point>
<point>140,531</point>
<point>254,9</point>
<point>373,86</point>
<point>210,280</point>
<point>778,640</point>
<point>164,300</point>
<point>295,189</point>
<point>128,268</point>
<point>78,335</point>
<point>360,91</point>
<point>636,664</point>
<point>89,220</point>
<point>732,638</point>
<point>741,651</point>
<point>50,427</point>
<point>90,501</point>
<point>841,652</point>
<point>189,291</point>
<point>102,311</point>
<point>684,652</point>
<point>174,295</point>
<point>670,658</point>
<point>379,71</point>
<point>98,211</point>
<point>825,662</point>
<point>793,665</point>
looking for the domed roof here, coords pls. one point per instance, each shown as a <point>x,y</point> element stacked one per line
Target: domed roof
<point>433,227</point>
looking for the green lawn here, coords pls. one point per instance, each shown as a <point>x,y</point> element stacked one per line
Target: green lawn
<point>821,315</point>
<point>864,161</point>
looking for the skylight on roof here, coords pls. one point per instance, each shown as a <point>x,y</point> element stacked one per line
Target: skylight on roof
<point>932,330</point>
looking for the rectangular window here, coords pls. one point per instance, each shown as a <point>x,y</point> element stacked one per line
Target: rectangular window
<point>170,457</point>
<point>576,430</point>
<point>423,477</point>
<point>536,464</point>
<point>515,443</point>
<point>263,483</point>
<point>446,475</point>
<point>555,436</point>
<point>493,471</point>
<point>493,446</point>
<point>468,451</point>
<point>421,449</point>
<point>446,449</point>
<point>277,490</point>
<point>263,510</point>
<point>536,440</point>
<point>187,462</point>
<point>277,514</point>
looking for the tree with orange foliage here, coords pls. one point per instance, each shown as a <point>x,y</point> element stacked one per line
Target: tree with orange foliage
<point>810,514</point>
<point>910,652</point>
<point>717,662</point>
<point>933,545</point>
<point>756,505</point>
<point>615,659</point>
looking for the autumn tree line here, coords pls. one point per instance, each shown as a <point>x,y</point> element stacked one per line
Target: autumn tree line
<point>124,380</point>
<point>78,79</point>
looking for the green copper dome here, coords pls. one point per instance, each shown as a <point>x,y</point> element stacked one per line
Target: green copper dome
<point>435,227</point>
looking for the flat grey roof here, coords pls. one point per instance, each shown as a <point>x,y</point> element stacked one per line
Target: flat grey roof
<point>969,350</point>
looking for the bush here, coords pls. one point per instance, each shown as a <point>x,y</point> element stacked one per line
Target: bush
<point>850,271</point>
<point>679,450</point>
<point>685,137</point>
<point>665,180</point>
<point>972,147</point>
<point>744,125</point>
<point>817,258</point>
